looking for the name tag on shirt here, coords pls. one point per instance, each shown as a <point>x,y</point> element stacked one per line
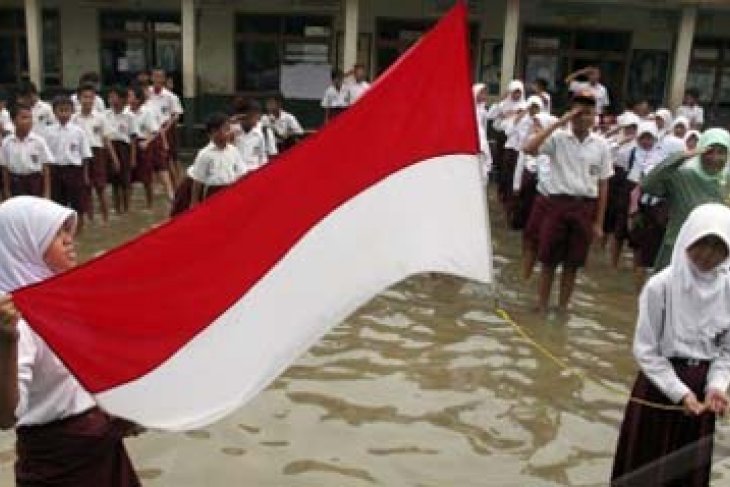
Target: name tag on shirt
<point>34,158</point>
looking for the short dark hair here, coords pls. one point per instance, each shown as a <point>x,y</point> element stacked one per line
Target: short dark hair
<point>85,87</point>
<point>542,83</point>
<point>61,100</point>
<point>16,108</point>
<point>278,97</point>
<point>89,77</point>
<point>139,91</point>
<point>337,73</point>
<point>27,88</point>
<point>215,121</point>
<point>158,68</point>
<point>358,66</point>
<point>693,92</point>
<point>118,90</point>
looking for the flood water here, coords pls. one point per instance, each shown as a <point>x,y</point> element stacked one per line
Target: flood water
<point>423,386</point>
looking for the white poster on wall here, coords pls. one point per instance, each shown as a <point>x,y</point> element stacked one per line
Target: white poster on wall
<point>304,81</point>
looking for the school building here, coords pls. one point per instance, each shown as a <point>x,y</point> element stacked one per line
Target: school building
<point>213,48</point>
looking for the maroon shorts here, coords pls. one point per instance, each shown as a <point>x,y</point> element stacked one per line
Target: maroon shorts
<point>120,178</point>
<point>647,233</point>
<point>184,195</point>
<point>26,184</point>
<point>142,172</point>
<point>173,142</point>
<point>506,177</point>
<point>97,168</point>
<point>68,187</point>
<point>159,157</point>
<point>560,228</point>
<point>525,200</point>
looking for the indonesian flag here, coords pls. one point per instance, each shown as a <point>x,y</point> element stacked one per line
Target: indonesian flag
<point>188,322</point>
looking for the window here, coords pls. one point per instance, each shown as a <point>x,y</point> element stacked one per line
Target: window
<point>266,42</point>
<point>14,47</point>
<point>709,72</point>
<point>137,41</point>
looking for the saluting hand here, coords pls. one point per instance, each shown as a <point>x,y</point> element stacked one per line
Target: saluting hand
<point>569,115</point>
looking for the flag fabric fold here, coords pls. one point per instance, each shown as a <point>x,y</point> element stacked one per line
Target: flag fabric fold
<point>183,325</point>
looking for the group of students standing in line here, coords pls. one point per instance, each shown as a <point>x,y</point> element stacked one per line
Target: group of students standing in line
<point>658,182</point>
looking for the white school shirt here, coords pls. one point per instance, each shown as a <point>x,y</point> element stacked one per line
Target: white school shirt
<point>251,146</point>
<point>334,98</point>
<point>547,102</point>
<point>165,104</point>
<point>94,125</point>
<point>6,123</point>
<point>27,156</point>
<point>43,116</point>
<point>46,389</point>
<point>284,126</point>
<point>99,105</point>
<point>499,111</point>
<point>655,343</point>
<point>623,155</point>
<point>69,144</point>
<point>354,90</point>
<point>119,126</point>
<point>577,167</point>
<point>217,167</point>
<point>599,92</point>
<point>485,152</point>
<point>695,114</point>
<point>519,132</point>
<point>145,123</point>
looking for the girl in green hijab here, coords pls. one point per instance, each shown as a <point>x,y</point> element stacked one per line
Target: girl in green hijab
<point>688,180</point>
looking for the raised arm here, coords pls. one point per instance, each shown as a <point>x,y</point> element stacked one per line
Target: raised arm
<point>533,144</point>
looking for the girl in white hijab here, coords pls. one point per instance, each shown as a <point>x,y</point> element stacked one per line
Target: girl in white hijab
<point>663,120</point>
<point>479,91</point>
<point>62,438</point>
<point>682,347</point>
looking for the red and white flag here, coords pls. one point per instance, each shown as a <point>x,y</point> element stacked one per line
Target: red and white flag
<point>185,324</point>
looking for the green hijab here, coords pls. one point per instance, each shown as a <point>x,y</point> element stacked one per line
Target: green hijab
<point>713,136</point>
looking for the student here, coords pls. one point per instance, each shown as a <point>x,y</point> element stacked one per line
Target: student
<point>623,153</point>
<point>334,100</point>
<point>663,119</point>
<point>143,79</point>
<point>42,111</point>
<point>648,213</point>
<point>6,122</point>
<point>24,158</point>
<point>682,347</point>
<point>92,79</point>
<point>247,135</point>
<point>692,109</point>
<point>686,184</point>
<point>356,85</point>
<point>63,439</point>
<point>641,109</point>
<point>673,141</point>
<point>173,139</point>
<point>120,147</point>
<point>592,84</point>
<point>166,107</point>
<point>148,146</point>
<point>217,166</point>
<point>93,123</point>
<point>691,138</point>
<point>540,88</point>
<point>285,126</point>
<point>72,155</point>
<point>569,211</point>
<point>479,91</point>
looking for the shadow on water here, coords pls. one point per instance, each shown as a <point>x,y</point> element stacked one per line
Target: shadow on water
<point>424,386</point>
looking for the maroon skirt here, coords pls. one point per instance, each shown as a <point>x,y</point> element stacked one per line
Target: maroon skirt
<point>647,232</point>
<point>159,157</point>
<point>523,203</point>
<point>26,184</point>
<point>665,448</point>
<point>97,168</point>
<point>617,206</point>
<point>122,177</point>
<point>143,170</point>
<point>184,195</point>
<point>173,141</point>
<point>506,178</point>
<point>68,187</point>
<point>81,451</point>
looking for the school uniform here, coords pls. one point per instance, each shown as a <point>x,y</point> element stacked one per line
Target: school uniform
<point>99,105</point>
<point>286,129</point>
<point>517,135</point>
<point>500,114</point>
<point>600,93</point>
<point>623,155</point>
<point>146,126</point>
<point>334,100</point>
<point>354,90</point>
<point>251,146</point>
<point>24,160</point>
<point>166,105</point>
<point>94,125</point>
<point>485,152</point>
<point>215,169</point>
<point>63,439</point>
<point>695,114</point>
<point>43,116</point>
<point>681,345</point>
<point>560,226</point>
<point>119,132</point>
<point>70,147</point>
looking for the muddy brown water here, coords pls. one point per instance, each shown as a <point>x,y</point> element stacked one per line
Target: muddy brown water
<point>423,386</point>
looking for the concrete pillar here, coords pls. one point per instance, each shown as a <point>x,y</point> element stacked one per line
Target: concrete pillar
<point>35,41</point>
<point>349,48</point>
<point>682,55</point>
<point>189,35</point>
<point>509,48</point>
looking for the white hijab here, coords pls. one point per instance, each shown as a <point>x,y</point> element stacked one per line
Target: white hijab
<point>666,116</point>
<point>699,302</point>
<point>28,225</point>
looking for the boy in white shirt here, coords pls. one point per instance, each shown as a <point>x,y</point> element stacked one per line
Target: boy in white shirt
<point>285,126</point>
<point>169,109</point>
<point>121,147</point>
<point>92,79</point>
<point>692,109</point>
<point>357,85</point>
<point>217,166</point>
<point>42,112</point>
<point>248,136</point>
<point>148,140</point>
<point>24,158</point>
<point>334,101</point>
<point>69,144</point>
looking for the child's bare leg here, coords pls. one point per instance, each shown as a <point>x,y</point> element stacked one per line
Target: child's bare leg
<point>529,256</point>
<point>148,194</point>
<point>617,247</point>
<point>567,284</point>
<point>103,205</point>
<point>547,275</point>
<point>166,181</point>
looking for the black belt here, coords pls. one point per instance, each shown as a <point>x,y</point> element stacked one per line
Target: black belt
<point>688,362</point>
<point>569,197</point>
